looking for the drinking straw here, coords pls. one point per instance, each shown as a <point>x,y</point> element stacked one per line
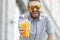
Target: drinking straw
<point>24,15</point>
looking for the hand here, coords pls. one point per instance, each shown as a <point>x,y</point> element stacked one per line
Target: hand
<point>21,30</point>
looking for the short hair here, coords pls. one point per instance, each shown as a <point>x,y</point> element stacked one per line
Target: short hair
<point>32,0</point>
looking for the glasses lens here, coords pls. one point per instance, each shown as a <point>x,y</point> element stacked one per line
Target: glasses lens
<point>32,7</point>
<point>38,7</point>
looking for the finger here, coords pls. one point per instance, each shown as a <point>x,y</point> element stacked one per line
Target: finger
<point>21,28</point>
<point>21,32</point>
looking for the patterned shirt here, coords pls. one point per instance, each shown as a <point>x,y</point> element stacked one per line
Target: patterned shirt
<point>38,29</point>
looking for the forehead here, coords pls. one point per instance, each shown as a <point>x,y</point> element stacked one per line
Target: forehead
<point>33,3</point>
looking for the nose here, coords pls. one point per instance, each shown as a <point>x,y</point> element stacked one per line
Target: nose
<point>35,9</point>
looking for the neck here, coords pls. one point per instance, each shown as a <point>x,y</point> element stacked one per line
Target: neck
<point>35,19</point>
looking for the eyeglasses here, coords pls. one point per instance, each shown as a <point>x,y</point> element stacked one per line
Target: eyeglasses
<point>32,7</point>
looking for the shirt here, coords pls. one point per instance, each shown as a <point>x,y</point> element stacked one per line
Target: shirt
<point>38,29</point>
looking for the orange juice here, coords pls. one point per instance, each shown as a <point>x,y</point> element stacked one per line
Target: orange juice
<point>26,26</point>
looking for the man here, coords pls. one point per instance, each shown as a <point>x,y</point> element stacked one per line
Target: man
<point>40,25</point>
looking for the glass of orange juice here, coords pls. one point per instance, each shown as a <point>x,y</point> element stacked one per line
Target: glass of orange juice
<point>26,25</point>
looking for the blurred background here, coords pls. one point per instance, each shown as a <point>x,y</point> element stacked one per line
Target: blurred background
<point>10,10</point>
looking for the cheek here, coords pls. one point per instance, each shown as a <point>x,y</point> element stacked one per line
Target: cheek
<point>37,14</point>
<point>39,10</point>
<point>30,10</point>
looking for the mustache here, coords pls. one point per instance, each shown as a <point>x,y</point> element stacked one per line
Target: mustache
<point>35,11</point>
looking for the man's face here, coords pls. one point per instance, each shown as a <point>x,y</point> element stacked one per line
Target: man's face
<point>34,9</point>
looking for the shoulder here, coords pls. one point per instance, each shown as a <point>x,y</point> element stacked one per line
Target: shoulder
<point>43,17</point>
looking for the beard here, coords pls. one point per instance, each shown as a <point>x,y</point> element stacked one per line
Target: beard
<point>35,14</point>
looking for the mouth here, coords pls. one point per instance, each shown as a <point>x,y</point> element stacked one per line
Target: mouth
<point>35,13</point>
